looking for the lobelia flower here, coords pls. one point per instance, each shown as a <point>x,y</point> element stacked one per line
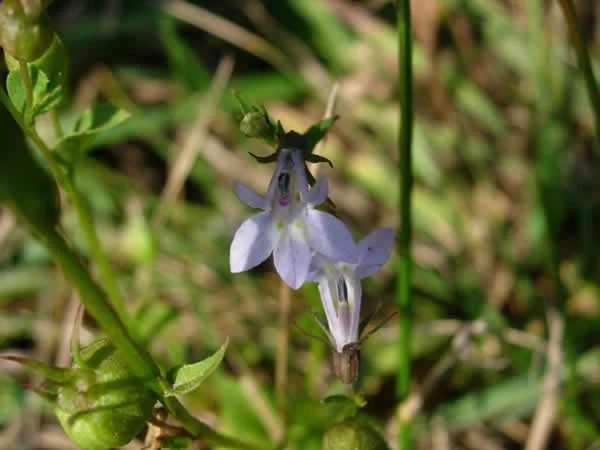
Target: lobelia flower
<point>341,292</point>
<point>289,227</point>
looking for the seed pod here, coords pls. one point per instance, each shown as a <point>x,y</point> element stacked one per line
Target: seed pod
<point>25,33</point>
<point>103,405</point>
<point>353,434</point>
<point>346,364</point>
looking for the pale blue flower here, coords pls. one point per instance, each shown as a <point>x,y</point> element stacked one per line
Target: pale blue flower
<point>289,226</point>
<point>340,288</point>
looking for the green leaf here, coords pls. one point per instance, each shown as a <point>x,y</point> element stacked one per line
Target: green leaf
<point>186,378</point>
<point>317,132</point>
<point>46,95</point>
<point>151,319</point>
<point>92,122</point>
<point>183,61</point>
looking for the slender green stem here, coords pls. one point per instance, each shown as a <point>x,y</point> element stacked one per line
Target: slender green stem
<point>403,295</point>
<point>66,180</point>
<point>56,123</point>
<point>28,92</point>
<point>583,59</point>
<point>89,229</point>
<point>94,299</point>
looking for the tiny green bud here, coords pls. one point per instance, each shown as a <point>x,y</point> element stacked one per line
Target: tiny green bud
<point>353,434</point>
<point>25,32</point>
<point>255,125</point>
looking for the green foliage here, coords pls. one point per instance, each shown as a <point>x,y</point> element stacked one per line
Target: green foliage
<point>184,379</point>
<point>12,399</point>
<point>45,95</point>
<point>95,120</point>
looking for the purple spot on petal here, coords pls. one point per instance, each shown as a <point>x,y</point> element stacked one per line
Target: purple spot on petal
<point>284,201</point>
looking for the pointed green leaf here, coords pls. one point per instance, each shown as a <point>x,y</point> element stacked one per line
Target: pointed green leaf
<point>186,378</point>
<point>317,132</point>
<point>91,123</point>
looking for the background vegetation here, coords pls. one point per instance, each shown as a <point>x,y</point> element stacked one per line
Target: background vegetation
<point>505,164</point>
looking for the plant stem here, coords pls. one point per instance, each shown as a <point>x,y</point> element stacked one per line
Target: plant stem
<point>89,229</point>
<point>28,92</point>
<point>583,58</point>
<point>94,299</point>
<point>281,361</point>
<point>403,295</point>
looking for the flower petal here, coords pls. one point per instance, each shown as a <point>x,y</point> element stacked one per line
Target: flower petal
<point>248,196</point>
<point>252,243</point>
<point>292,260</point>
<point>374,250</point>
<point>281,162</point>
<point>318,193</point>
<point>299,168</point>
<point>330,236</point>
<point>332,318</point>
<point>354,302</point>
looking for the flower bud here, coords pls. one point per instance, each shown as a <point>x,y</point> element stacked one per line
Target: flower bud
<point>25,32</point>
<point>54,62</point>
<point>255,125</point>
<point>353,434</point>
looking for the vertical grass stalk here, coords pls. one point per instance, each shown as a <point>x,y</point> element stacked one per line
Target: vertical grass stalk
<point>583,59</point>
<point>403,297</point>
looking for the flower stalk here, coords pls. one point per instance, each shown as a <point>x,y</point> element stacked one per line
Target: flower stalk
<point>403,294</point>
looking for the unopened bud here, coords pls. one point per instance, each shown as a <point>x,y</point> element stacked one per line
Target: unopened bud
<point>255,125</point>
<point>25,32</point>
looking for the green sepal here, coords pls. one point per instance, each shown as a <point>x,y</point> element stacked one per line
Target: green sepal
<point>92,122</point>
<point>53,373</point>
<point>265,159</point>
<point>46,95</point>
<point>318,159</point>
<point>317,132</point>
<point>186,378</point>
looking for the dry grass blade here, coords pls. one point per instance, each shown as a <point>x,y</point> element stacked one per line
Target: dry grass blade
<point>544,417</point>
<point>226,30</point>
<point>191,148</point>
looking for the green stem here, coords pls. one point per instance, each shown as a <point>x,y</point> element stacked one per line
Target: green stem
<point>583,59</point>
<point>89,229</point>
<point>83,213</point>
<point>403,295</point>
<point>94,299</point>
<point>28,92</point>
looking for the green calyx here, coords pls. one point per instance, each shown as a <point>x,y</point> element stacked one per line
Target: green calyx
<point>25,30</point>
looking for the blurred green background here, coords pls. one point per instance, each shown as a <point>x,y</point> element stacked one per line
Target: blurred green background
<point>503,132</point>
